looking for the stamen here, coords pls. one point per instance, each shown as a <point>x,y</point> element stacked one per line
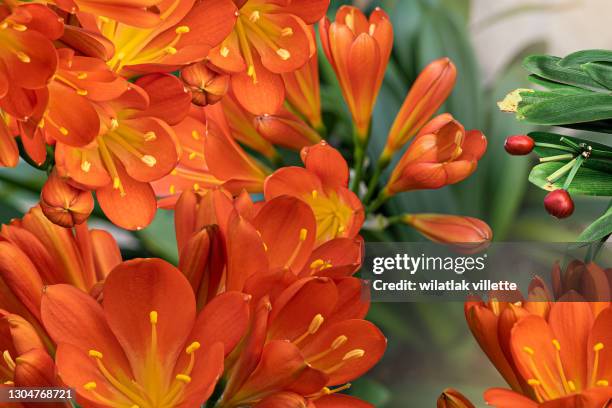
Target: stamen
<point>8,360</point>
<point>170,50</point>
<point>224,51</point>
<point>183,378</point>
<point>303,234</point>
<point>19,27</point>
<point>172,189</point>
<point>314,194</point>
<point>596,348</point>
<point>283,53</point>
<point>372,29</point>
<point>149,160</point>
<point>254,16</point>
<point>182,30</point>
<point>339,342</point>
<point>317,264</point>
<point>195,135</point>
<point>63,131</point>
<point>571,385</point>
<point>95,354</point>
<point>357,353</point>
<point>602,383</point>
<point>192,347</point>
<point>150,136</point>
<point>23,57</point>
<point>528,350</point>
<point>90,386</point>
<point>82,75</point>
<point>314,326</point>
<point>286,32</point>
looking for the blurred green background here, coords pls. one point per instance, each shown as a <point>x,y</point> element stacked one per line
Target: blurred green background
<point>430,347</point>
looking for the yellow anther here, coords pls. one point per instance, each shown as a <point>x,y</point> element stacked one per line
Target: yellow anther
<point>192,347</point>
<point>104,19</point>
<point>183,378</point>
<point>3,25</point>
<point>63,131</point>
<point>95,354</point>
<point>90,386</point>
<point>528,350</point>
<point>150,136</point>
<point>182,30</point>
<point>19,27</point>
<point>82,92</point>
<point>172,189</point>
<point>314,194</point>
<point>174,172</point>
<point>85,166</point>
<point>557,345</point>
<point>8,360</point>
<point>286,32</point>
<point>153,317</point>
<point>114,124</point>
<point>196,186</point>
<point>224,51</point>
<point>170,50</point>
<point>598,347</point>
<point>339,342</point>
<point>303,234</point>
<point>82,75</point>
<point>192,155</point>
<point>149,160</point>
<point>283,54</point>
<point>571,385</point>
<point>254,16</point>
<point>116,183</point>
<point>372,29</point>
<point>317,264</point>
<point>121,56</point>
<point>251,70</point>
<point>315,324</point>
<point>23,57</point>
<point>602,383</point>
<point>533,381</point>
<point>357,353</point>
<point>41,124</point>
<point>265,247</point>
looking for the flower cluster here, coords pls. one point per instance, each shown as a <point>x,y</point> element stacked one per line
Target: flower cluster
<point>193,106</point>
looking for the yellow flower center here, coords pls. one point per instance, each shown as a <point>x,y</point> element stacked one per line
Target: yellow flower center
<point>333,215</point>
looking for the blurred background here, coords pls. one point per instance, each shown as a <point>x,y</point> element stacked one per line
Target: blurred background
<point>430,347</point>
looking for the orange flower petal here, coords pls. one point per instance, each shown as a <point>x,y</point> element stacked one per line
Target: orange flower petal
<point>83,165</point>
<point>246,255</point>
<point>327,163</point>
<point>106,252</point>
<point>207,370</point>
<point>500,398</point>
<point>35,368</point>
<point>282,400</point>
<point>9,153</point>
<point>288,229</point>
<point>342,257</point>
<point>601,333</point>
<point>21,276</point>
<point>135,289</point>
<point>265,96</point>
<point>133,210</point>
<point>341,401</point>
<point>168,98</point>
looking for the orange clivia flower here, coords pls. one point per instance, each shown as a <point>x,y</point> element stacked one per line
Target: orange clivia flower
<point>28,61</point>
<point>184,33</point>
<point>323,185</point>
<point>443,153</point>
<point>63,204</point>
<point>450,228</point>
<point>303,91</point>
<point>358,49</point>
<point>451,398</point>
<point>135,147</point>
<point>145,346</point>
<point>286,129</point>
<point>310,338</point>
<point>140,13</point>
<point>269,38</point>
<point>431,88</point>
<point>25,360</point>
<point>34,253</point>
<point>563,357</point>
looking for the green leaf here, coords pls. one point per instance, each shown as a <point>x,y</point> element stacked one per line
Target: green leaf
<point>552,138</point>
<point>576,59</point>
<point>599,229</point>
<point>556,87</point>
<point>600,72</point>
<point>547,67</point>
<point>587,181</point>
<point>567,110</point>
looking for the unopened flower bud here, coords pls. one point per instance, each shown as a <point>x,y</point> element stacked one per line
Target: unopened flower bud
<point>207,85</point>
<point>64,204</point>
<point>451,398</point>
<point>450,229</point>
<point>559,203</point>
<point>519,145</point>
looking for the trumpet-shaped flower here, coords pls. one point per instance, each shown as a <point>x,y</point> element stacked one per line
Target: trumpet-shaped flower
<point>34,252</point>
<point>431,88</point>
<point>323,185</point>
<point>286,129</point>
<point>184,33</point>
<point>358,49</point>
<point>443,153</point>
<point>564,358</point>
<point>145,345</point>
<point>451,398</point>
<point>206,84</point>
<point>269,38</point>
<point>450,228</point>
<point>135,147</point>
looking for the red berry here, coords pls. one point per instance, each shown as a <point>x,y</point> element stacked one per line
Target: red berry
<point>519,145</point>
<point>559,203</point>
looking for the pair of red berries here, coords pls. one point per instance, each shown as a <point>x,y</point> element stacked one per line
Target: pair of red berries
<point>558,203</point>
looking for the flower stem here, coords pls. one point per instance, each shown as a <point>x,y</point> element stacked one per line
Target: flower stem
<point>383,163</point>
<point>560,157</point>
<point>557,147</point>
<point>380,200</point>
<point>561,171</point>
<point>571,144</point>
<point>570,177</point>
<point>361,143</point>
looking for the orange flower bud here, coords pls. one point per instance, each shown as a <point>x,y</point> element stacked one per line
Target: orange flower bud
<point>427,94</point>
<point>207,85</point>
<point>287,130</point>
<point>443,153</point>
<point>451,398</point>
<point>450,228</point>
<point>358,49</point>
<point>64,204</point>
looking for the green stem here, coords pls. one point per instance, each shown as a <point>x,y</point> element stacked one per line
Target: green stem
<point>383,163</point>
<point>560,157</point>
<point>380,200</point>
<point>570,143</point>
<point>601,154</point>
<point>557,147</point>
<point>361,143</point>
<point>570,177</point>
<point>561,171</point>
